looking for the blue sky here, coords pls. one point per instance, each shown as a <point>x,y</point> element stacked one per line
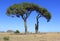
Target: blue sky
<point>9,23</point>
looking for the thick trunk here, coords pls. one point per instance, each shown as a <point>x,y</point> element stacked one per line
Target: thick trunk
<point>36,25</point>
<point>25,26</point>
<point>36,31</point>
<point>36,28</point>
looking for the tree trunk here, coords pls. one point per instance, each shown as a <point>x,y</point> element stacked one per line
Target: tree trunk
<point>25,25</point>
<point>36,28</point>
<point>36,25</point>
<point>36,31</point>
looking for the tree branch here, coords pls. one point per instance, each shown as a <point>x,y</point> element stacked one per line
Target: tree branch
<point>28,14</point>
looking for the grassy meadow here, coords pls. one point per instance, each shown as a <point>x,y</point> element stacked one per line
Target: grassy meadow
<point>31,37</point>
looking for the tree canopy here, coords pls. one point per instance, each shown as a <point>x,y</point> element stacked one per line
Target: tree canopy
<point>23,8</point>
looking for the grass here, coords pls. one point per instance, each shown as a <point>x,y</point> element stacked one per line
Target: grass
<point>31,37</point>
<point>6,38</point>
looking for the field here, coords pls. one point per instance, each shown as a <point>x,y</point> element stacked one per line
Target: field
<point>31,37</point>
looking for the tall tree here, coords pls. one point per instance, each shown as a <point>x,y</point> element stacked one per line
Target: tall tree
<point>44,13</point>
<point>24,10</point>
<point>41,12</point>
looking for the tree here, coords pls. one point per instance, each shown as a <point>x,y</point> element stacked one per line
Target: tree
<point>20,10</point>
<point>24,10</point>
<point>43,13</point>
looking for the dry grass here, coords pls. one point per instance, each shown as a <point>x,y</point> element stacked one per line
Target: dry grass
<point>32,37</point>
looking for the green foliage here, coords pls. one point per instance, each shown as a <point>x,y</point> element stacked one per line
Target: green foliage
<point>23,8</point>
<point>46,14</point>
<point>17,31</point>
<point>6,38</point>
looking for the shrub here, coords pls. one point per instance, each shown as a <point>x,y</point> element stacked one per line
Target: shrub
<point>6,38</point>
<point>17,31</point>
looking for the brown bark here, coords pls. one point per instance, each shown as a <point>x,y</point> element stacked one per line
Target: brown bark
<point>25,26</point>
<point>36,26</point>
